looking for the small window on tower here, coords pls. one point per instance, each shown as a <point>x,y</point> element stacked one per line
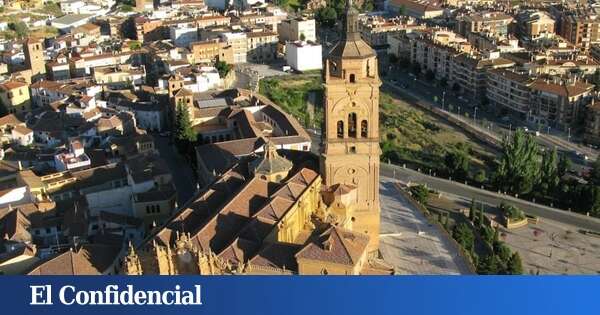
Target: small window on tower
<point>352,125</point>
<point>352,78</point>
<point>340,129</point>
<point>364,129</point>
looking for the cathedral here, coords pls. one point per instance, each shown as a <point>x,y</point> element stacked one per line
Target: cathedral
<point>290,212</point>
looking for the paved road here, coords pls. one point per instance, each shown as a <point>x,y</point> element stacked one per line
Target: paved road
<point>183,177</point>
<point>409,242</point>
<point>458,189</point>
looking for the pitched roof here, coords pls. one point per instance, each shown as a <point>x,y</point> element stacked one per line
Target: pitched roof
<point>336,245</point>
<point>90,259</point>
<point>567,90</point>
<point>11,85</point>
<point>14,225</point>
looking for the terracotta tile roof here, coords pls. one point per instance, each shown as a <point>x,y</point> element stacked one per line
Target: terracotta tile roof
<point>567,90</point>
<point>11,85</point>
<point>277,255</point>
<point>275,209</point>
<point>240,251</point>
<point>22,130</point>
<point>14,226</point>
<point>221,229</point>
<point>336,245</point>
<point>10,119</point>
<point>90,259</point>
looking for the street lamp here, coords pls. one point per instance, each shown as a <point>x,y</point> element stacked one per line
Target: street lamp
<point>569,135</point>
<point>475,116</point>
<point>458,110</point>
<point>443,99</point>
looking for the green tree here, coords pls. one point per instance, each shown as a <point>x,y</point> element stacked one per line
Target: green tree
<point>368,6</point>
<point>223,68</point>
<point>463,234</point>
<point>596,79</point>
<point>489,265</point>
<point>472,210</point>
<point>590,199</point>
<point>134,45</point>
<point>503,253</point>
<point>420,193</point>
<point>518,170</point>
<point>326,16</point>
<point>564,165</point>
<point>126,8</point>
<point>595,173</point>
<point>53,8</point>
<point>457,163</point>
<point>549,172</point>
<point>481,177</point>
<point>20,28</point>
<point>515,266</point>
<point>487,234</point>
<point>496,239</point>
<point>511,211</point>
<point>184,133</point>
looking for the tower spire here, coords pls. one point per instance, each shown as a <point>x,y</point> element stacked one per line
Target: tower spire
<point>351,26</point>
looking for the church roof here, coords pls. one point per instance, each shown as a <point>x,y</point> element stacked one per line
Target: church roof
<point>336,245</point>
<point>352,49</point>
<point>271,162</point>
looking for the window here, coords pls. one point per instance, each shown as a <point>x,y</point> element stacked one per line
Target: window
<point>352,125</point>
<point>364,129</point>
<point>353,150</point>
<point>352,78</point>
<point>340,129</point>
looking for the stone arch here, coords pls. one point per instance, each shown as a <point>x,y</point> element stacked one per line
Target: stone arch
<point>344,105</point>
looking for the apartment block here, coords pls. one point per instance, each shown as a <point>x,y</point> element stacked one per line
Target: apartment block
<point>297,29</point>
<point>580,27</point>
<point>560,103</point>
<point>509,89</point>
<point>491,22</point>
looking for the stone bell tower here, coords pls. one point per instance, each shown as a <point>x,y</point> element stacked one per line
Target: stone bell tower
<point>350,150</point>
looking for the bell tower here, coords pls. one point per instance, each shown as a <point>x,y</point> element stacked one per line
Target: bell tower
<point>350,149</point>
